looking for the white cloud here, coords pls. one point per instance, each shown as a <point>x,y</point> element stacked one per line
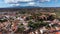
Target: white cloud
<point>44,0</point>
<point>27,4</point>
<point>24,0</point>
<point>17,4</point>
<point>14,4</point>
<point>16,1</point>
<point>9,1</point>
<point>31,3</point>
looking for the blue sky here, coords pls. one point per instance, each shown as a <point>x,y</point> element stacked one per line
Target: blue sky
<point>23,3</point>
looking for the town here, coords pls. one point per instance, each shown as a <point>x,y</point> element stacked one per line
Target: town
<point>30,21</point>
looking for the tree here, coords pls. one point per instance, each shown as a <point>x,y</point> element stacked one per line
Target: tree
<point>22,12</point>
<point>29,17</point>
<point>21,28</point>
<point>3,20</point>
<point>36,25</point>
<point>51,17</point>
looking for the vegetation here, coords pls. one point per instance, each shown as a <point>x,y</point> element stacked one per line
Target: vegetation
<point>33,25</point>
<point>36,25</point>
<point>21,28</point>
<point>3,20</point>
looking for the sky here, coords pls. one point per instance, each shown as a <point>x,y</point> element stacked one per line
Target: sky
<point>24,3</point>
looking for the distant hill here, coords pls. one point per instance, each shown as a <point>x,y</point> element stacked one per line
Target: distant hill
<point>31,8</point>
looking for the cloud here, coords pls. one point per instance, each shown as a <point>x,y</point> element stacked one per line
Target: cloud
<point>47,0</point>
<point>26,4</point>
<point>44,0</point>
<point>9,1</point>
<point>31,3</point>
<point>14,4</point>
<point>16,1</point>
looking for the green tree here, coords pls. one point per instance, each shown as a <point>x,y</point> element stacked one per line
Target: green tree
<point>21,28</point>
<point>2,20</point>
